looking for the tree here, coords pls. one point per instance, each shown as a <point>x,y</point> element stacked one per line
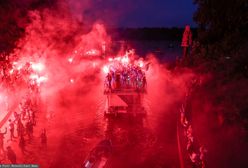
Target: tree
<point>219,19</point>
<point>222,33</point>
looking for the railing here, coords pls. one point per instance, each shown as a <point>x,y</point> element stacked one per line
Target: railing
<point>121,90</point>
<point>123,87</point>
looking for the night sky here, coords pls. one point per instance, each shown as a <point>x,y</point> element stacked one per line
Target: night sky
<point>160,13</point>
<point>136,13</point>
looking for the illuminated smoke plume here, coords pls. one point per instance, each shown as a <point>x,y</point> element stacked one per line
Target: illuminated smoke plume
<point>56,47</point>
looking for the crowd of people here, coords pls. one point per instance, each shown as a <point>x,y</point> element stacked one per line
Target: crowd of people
<point>15,75</point>
<point>125,77</point>
<point>14,81</point>
<point>20,127</point>
<point>196,151</point>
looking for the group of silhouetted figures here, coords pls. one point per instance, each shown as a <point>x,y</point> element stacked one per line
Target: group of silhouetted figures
<point>13,77</point>
<point>14,80</point>
<point>20,128</point>
<point>131,77</point>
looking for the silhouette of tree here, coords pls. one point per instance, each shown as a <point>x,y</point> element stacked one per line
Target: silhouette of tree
<point>223,34</point>
<point>219,19</point>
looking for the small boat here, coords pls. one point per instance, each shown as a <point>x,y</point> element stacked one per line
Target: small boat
<point>99,155</point>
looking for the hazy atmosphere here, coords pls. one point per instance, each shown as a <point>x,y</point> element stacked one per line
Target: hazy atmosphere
<point>122,84</point>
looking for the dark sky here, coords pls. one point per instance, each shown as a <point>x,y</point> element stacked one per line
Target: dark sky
<point>160,13</point>
<point>137,13</point>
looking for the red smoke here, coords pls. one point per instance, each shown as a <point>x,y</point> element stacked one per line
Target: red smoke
<point>66,64</point>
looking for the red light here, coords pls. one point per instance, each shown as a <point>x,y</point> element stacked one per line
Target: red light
<point>70,60</point>
<point>11,71</point>
<point>37,78</point>
<point>92,52</point>
<point>105,69</point>
<point>125,60</point>
<point>37,66</point>
<point>141,64</point>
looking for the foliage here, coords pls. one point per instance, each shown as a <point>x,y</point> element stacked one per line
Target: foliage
<point>221,50</point>
<point>222,35</point>
<point>147,34</point>
<point>222,18</point>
